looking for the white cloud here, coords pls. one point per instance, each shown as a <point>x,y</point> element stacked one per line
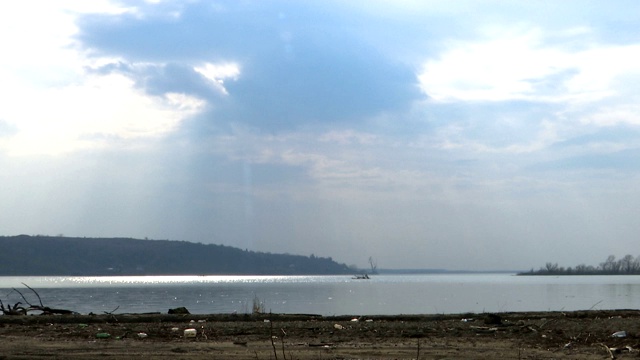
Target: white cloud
<point>52,104</point>
<point>495,69</point>
<point>218,73</point>
<point>58,120</point>
<point>522,65</point>
<point>601,68</point>
<point>613,115</point>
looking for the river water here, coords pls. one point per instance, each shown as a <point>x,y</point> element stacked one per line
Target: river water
<point>329,295</point>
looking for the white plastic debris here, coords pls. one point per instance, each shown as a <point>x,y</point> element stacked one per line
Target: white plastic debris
<point>175,329</point>
<point>338,326</point>
<point>190,333</point>
<point>142,335</point>
<point>619,334</point>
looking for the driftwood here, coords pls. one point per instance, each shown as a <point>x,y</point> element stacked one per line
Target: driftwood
<point>18,309</point>
<point>609,351</point>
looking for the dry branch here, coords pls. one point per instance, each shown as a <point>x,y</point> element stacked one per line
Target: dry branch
<point>21,310</point>
<point>16,310</point>
<point>608,350</point>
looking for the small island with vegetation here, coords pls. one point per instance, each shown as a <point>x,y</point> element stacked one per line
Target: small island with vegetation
<point>628,265</point>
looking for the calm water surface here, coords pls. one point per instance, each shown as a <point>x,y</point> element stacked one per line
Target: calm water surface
<point>330,295</point>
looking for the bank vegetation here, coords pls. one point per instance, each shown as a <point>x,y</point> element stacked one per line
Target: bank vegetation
<point>627,265</point>
<point>42,255</point>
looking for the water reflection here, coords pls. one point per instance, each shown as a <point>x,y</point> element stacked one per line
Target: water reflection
<point>332,295</point>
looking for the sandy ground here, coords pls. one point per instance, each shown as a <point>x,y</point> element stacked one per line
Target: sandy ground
<point>543,335</point>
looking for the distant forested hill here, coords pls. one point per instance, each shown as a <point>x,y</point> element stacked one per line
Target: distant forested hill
<point>49,255</point>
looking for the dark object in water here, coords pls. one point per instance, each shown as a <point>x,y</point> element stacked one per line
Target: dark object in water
<point>361,277</point>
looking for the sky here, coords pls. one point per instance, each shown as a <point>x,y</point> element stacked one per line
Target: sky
<point>478,135</point>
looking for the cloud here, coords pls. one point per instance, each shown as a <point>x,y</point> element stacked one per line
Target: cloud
<point>218,73</point>
<point>84,115</point>
<point>285,73</point>
<point>527,63</point>
<point>56,104</point>
<point>419,131</point>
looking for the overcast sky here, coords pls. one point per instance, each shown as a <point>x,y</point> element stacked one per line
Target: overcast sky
<point>427,134</point>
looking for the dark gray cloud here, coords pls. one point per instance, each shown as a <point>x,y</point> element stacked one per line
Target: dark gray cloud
<point>298,65</point>
<point>159,79</point>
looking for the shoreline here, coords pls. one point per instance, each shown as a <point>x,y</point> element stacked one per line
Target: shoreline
<point>516,335</point>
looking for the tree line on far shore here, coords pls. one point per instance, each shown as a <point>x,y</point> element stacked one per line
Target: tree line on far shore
<point>627,265</point>
<point>41,255</point>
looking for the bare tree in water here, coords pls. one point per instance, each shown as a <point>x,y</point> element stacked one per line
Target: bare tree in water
<point>374,265</point>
